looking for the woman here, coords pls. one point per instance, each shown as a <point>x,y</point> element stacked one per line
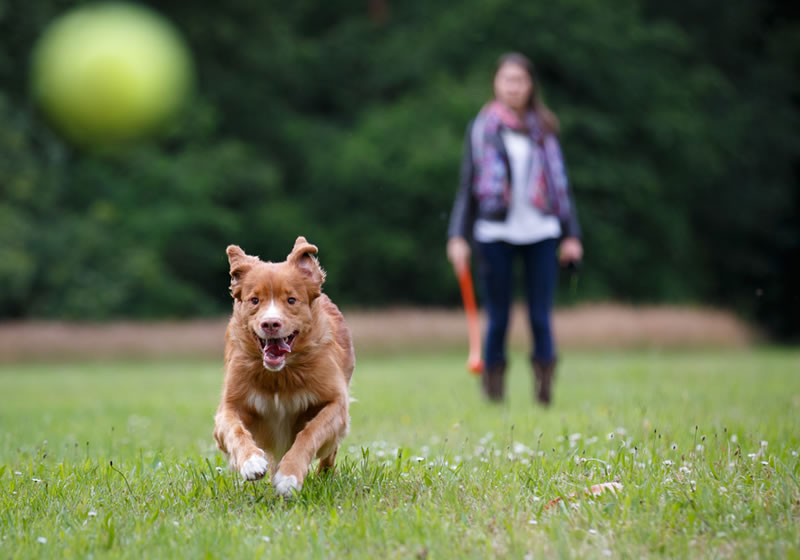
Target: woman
<point>514,200</point>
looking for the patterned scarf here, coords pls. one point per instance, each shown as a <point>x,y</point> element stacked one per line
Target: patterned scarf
<point>547,190</point>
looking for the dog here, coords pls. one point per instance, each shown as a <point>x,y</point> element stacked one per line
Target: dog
<point>289,358</point>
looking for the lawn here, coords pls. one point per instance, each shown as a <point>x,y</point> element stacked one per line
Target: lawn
<point>115,459</point>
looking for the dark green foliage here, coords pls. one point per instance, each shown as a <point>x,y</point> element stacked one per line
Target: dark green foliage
<point>679,125</point>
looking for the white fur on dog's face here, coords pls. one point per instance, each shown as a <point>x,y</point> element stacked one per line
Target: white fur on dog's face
<point>276,299</point>
<point>278,312</point>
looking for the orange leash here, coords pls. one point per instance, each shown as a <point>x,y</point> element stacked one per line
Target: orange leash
<point>474,361</point>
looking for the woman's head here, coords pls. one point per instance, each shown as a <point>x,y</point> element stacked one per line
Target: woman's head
<point>515,85</point>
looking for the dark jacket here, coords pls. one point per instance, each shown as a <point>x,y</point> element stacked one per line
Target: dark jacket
<point>466,210</point>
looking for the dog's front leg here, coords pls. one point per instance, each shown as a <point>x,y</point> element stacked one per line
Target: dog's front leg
<point>327,427</point>
<point>236,441</point>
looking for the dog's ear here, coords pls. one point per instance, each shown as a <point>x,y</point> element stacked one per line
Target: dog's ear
<point>240,263</point>
<point>302,256</point>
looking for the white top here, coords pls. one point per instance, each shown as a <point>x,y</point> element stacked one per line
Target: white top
<point>524,223</point>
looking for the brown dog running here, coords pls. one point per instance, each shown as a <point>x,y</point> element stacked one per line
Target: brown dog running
<point>288,363</point>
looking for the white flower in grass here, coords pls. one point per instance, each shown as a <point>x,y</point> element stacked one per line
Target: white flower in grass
<point>667,463</point>
<point>765,463</point>
<point>41,540</point>
<point>794,453</point>
<point>734,438</point>
<point>520,448</point>
<point>764,444</point>
<point>723,490</point>
<point>92,513</point>
<point>699,448</point>
<point>17,473</point>
<point>752,456</point>
<point>592,531</point>
<point>685,470</point>
<point>674,446</point>
<point>610,435</point>
<point>532,522</point>
<point>265,538</point>
<point>36,479</point>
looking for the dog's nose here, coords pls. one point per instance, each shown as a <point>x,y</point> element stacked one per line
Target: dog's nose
<point>271,325</point>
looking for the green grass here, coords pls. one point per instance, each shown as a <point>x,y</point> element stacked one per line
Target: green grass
<point>705,445</point>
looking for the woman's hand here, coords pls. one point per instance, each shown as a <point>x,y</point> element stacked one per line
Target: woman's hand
<point>458,253</point>
<point>571,250</point>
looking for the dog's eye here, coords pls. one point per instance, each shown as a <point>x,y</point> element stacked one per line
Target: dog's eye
<point>291,301</point>
<point>254,301</point>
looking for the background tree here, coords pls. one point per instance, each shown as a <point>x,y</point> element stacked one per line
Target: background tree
<point>344,122</point>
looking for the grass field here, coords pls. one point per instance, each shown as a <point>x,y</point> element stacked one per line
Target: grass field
<point>115,459</point>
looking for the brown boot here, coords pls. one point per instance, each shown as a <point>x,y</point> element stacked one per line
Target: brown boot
<point>493,381</point>
<point>544,372</point>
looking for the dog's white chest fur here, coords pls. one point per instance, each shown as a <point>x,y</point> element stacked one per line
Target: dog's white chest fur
<point>280,414</point>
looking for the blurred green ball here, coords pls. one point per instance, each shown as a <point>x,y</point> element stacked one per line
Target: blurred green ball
<point>109,73</point>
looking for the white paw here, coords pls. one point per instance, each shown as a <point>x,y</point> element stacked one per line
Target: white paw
<point>284,485</point>
<point>254,468</point>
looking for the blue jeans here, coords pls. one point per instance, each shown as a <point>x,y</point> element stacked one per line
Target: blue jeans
<point>495,273</point>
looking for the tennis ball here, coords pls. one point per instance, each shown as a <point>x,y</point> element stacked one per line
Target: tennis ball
<point>108,73</point>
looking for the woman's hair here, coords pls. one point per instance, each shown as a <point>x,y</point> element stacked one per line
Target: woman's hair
<point>548,119</point>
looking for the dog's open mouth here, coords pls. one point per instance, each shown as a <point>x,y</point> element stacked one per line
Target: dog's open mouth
<point>274,350</point>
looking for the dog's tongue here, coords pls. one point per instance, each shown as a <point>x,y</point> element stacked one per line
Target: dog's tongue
<point>277,347</point>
